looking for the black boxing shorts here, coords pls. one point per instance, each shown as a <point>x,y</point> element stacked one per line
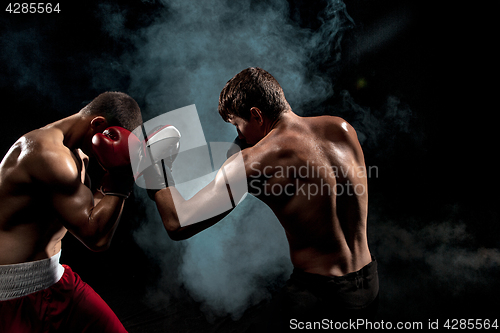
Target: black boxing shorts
<point>354,295</point>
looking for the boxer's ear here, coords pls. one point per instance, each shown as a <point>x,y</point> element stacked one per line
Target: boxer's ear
<point>257,114</point>
<point>99,124</point>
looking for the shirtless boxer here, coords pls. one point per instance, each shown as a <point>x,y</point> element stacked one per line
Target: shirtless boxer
<point>316,165</point>
<point>44,192</point>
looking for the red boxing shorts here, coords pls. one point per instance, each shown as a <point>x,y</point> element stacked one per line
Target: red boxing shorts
<point>68,305</point>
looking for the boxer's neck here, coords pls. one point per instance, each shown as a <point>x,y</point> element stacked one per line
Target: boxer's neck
<point>284,119</point>
<point>73,129</point>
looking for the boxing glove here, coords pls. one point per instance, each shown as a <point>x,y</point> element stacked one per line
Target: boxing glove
<point>111,149</point>
<point>163,143</point>
<point>158,176</point>
<point>157,156</point>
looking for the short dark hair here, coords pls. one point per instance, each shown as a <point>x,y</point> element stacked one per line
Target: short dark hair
<point>118,108</point>
<point>252,87</point>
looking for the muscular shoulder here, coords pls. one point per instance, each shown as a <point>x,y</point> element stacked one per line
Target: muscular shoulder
<point>332,128</point>
<point>274,150</point>
<point>337,132</point>
<point>303,140</point>
<point>47,160</point>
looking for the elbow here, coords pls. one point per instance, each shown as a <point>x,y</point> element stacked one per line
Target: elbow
<point>173,228</point>
<point>97,245</point>
<point>176,234</point>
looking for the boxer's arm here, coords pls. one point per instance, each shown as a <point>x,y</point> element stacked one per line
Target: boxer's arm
<point>185,218</point>
<point>168,212</point>
<point>82,161</point>
<point>73,202</point>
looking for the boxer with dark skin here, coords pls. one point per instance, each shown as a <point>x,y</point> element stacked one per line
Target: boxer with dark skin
<point>308,170</point>
<point>45,189</point>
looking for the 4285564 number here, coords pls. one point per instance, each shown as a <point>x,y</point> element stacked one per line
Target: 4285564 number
<point>485,324</point>
<point>32,8</point>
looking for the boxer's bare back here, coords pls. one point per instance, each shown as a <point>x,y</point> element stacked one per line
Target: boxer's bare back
<point>311,172</point>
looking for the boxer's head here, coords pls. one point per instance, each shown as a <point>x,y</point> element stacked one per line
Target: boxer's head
<point>110,109</point>
<point>251,98</point>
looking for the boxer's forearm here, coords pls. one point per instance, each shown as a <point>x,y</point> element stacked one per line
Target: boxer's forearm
<point>165,203</point>
<point>103,220</point>
<point>182,233</point>
<point>168,211</point>
<point>91,221</point>
<point>166,208</point>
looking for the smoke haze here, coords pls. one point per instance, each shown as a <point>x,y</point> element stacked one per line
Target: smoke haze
<point>379,64</point>
<point>185,56</point>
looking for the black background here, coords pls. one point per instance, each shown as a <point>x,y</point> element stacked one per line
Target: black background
<point>442,169</point>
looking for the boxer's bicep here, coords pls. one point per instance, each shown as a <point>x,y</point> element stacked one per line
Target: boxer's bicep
<point>93,225</point>
<point>71,200</point>
<point>82,161</point>
<point>211,201</point>
<point>74,208</point>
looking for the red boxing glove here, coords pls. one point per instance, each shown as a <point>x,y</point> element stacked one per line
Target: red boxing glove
<point>111,147</point>
<point>112,151</point>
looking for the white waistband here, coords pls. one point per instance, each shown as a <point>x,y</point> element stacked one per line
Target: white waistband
<point>22,279</point>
